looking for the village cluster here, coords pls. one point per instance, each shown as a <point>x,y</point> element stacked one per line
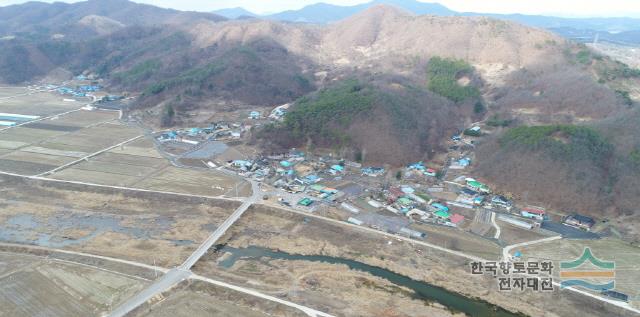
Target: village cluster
<point>371,195</point>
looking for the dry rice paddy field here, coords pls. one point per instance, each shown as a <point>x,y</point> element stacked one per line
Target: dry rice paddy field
<point>139,165</point>
<point>40,147</point>
<point>35,286</point>
<point>626,257</point>
<point>41,103</point>
<point>199,299</point>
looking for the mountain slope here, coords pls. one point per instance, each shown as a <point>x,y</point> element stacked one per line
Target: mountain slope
<point>234,13</point>
<point>366,86</point>
<point>615,30</point>
<point>326,13</point>
<point>409,121</point>
<point>37,18</point>
<point>589,169</point>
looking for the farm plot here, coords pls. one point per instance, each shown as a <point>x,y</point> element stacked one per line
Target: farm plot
<point>200,299</point>
<point>94,138</point>
<point>28,135</point>
<point>84,118</point>
<point>199,182</point>
<point>42,146</point>
<point>32,286</point>
<point>142,147</point>
<point>139,165</point>
<point>30,163</point>
<point>41,104</point>
<point>12,91</point>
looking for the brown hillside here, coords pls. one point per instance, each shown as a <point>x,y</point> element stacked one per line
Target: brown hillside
<point>383,32</point>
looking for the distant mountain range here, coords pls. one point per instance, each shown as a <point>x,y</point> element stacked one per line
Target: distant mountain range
<point>624,31</point>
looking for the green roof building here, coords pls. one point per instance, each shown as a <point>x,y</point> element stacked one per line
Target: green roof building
<point>442,214</point>
<point>305,202</point>
<point>478,186</point>
<point>405,201</point>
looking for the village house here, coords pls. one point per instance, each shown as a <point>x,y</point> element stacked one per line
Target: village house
<point>580,221</point>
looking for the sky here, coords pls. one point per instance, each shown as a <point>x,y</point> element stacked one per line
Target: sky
<point>564,8</point>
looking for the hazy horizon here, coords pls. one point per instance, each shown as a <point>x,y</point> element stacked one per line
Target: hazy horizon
<point>570,9</point>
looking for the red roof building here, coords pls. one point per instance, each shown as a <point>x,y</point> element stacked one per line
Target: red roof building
<point>456,219</point>
<point>536,211</point>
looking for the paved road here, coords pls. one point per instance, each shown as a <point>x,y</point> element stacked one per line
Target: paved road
<point>495,225</point>
<point>59,168</point>
<point>390,235</point>
<point>569,232</point>
<point>507,249</point>
<point>183,272</point>
<point>168,280</point>
<point>222,229</point>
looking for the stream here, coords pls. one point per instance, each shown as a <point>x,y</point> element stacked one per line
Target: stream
<point>424,291</point>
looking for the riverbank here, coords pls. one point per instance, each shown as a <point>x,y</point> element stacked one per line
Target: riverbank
<point>429,294</point>
<point>275,229</point>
